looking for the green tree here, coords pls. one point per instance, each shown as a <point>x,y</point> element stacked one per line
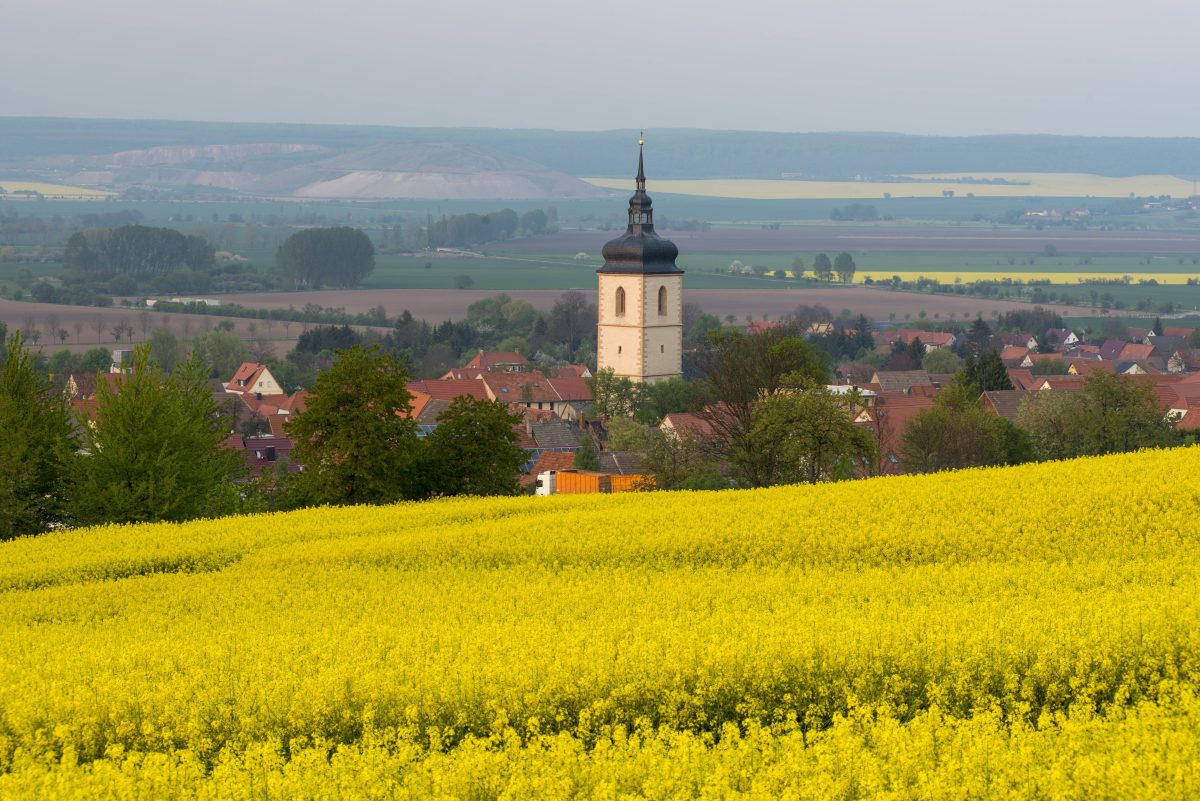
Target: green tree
<point>37,451</point>
<point>315,257</point>
<point>958,433</point>
<point>822,268</point>
<point>155,451</point>
<point>355,439</point>
<point>941,360</point>
<point>221,352</point>
<point>987,372</point>
<point>978,336</point>
<point>845,267</point>
<point>587,457</point>
<point>1113,414</point>
<point>738,369</point>
<point>680,462</point>
<point>165,350</point>
<point>813,434</point>
<point>613,395</point>
<point>625,434</point>
<point>473,450</point>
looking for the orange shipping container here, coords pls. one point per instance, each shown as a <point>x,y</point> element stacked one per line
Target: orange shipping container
<point>577,482</point>
<point>627,483</point>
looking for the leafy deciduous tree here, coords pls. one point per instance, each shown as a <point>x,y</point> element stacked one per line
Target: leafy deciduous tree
<point>355,439</point>
<point>473,450</point>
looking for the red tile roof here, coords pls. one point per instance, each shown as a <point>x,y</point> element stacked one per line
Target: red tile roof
<point>449,390</point>
<point>1136,353</point>
<point>245,377</point>
<point>487,361</point>
<point>1022,378</point>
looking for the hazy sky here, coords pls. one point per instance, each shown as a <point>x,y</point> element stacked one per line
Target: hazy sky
<point>920,66</point>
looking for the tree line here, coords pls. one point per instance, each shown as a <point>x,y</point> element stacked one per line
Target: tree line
<point>154,450</point>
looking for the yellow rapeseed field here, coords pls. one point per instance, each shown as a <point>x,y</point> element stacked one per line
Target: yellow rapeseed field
<point>1035,184</point>
<point>53,190</point>
<point>948,276</point>
<point>1006,633</point>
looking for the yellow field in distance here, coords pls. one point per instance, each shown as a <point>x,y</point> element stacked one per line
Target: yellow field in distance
<point>1033,184</point>
<point>51,190</point>
<point>969,276</point>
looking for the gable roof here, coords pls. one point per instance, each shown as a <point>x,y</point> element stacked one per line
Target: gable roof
<point>1086,367</point>
<point>1111,349</point>
<point>1136,353</point>
<point>622,463</point>
<point>486,361</point>
<point>900,380</point>
<point>449,390</point>
<point>553,433</point>
<point>1021,378</point>
<point>1004,402</point>
<point>533,386</point>
<point>687,424</point>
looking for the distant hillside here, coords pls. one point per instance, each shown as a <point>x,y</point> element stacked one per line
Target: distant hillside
<point>527,162</point>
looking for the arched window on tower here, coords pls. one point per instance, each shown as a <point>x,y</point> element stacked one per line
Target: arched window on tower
<point>662,301</point>
<point>620,301</point>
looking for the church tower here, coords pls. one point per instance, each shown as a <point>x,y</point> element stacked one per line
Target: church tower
<point>640,306</point>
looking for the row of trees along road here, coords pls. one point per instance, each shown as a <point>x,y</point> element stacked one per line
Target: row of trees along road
<point>155,450</point>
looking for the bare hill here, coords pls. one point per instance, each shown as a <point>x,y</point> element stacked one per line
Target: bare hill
<point>426,170</point>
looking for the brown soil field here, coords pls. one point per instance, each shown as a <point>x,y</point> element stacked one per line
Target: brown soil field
<point>40,316</point>
<point>884,238</point>
<point>436,305</point>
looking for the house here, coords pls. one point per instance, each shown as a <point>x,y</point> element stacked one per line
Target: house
<point>1139,334</point>
<point>502,361</point>
<point>687,424</point>
<point>1019,339</point>
<point>887,421</point>
<point>1183,360</point>
<point>1014,355</point>
<point>1022,378</point>
<point>900,380</point>
<point>1147,355</point>
<point>1061,337</point>
<point>932,340</point>
<point>1165,345</point>
<point>1111,349</point>
<point>1060,383</point>
<point>1087,367</point>
<point>449,389</point>
<point>1004,402</point>
<point>255,379</point>
<point>533,389</point>
<point>262,454</point>
<point>758,327</point>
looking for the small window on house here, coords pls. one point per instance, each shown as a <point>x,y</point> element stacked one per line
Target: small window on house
<point>270,453</point>
<point>618,348</point>
<point>662,301</point>
<point>620,301</point>
<point>662,348</point>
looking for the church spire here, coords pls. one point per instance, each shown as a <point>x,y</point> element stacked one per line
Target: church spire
<point>641,216</point>
<point>641,176</point>
<point>640,250</point>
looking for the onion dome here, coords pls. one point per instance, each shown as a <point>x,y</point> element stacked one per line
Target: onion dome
<point>640,250</point>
